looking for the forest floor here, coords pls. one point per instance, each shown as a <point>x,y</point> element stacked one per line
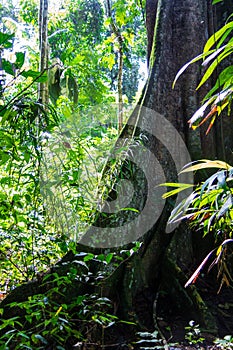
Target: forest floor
<point>221,305</point>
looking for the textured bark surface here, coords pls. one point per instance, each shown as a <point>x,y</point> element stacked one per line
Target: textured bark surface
<point>180,30</point>
<point>43,40</point>
<point>151,10</point>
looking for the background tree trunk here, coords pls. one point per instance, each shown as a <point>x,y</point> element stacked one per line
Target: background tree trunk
<point>43,94</point>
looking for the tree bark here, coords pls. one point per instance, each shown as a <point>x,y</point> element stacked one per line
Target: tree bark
<point>43,94</point>
<point>179,32</point>
<point>117,32</point>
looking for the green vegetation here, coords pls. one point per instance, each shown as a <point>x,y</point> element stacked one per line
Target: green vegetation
<point>51,161</point>
<point>73,126</point>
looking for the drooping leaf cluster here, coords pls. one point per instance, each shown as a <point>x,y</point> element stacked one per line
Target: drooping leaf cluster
<point>209,207</point>
<point>217,48</point>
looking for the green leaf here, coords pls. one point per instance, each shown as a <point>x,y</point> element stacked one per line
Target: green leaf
<point>208,183</point>
<point>195,59</point>
<point>223,38</point>
<point>78,59</point>
<point>23,335</point>
<point>216,36</point>
<point>89,256</point>
<point>213,55</point>
<point>108,21</point>
<point>180,187</point>
<point>39,337</point>
<point>216,1</point>
<point>225,77</point>
<point>205,164</point>
<point>7,67</point>
<point>109,257</point>
<point>6,40</point>
<point>121,17</point>
<point>228,50</point>
<point>226,206</point>
<point>39,77</point>
<point>20,56</point>
<point>128,322</point>
<point>110,60</point>
<point>131,209</point>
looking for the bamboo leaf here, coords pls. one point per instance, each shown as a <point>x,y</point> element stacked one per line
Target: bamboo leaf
<point>222,95</point>
<point>205,164</point>
<point>224,78</point>
<point>180,187</point>
<point>216,62</point>
<point>198,270</point>
<point>213,55</point>
<point>216,36</point>
<point>39,337</point>
<point>195,59</point>
<point>177,212</point>
<point>226,206</point>
<point>208,183</point>
<point>219,250</point>
<point>223,38</point>
<point>200,112</point>
<point>130,209</point>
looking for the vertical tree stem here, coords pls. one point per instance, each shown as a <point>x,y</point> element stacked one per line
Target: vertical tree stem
<point>43,42</point>
<point>119,39</point>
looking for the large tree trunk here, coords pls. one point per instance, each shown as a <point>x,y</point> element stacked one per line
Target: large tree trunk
<point>153,280</point>
<point>179,29</point>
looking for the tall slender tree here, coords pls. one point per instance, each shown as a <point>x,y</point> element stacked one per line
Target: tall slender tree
<point>44,51</point>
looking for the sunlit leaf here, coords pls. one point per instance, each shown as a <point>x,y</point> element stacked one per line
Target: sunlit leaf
<point>212,56</point>
<point>194,276</point>
<point>224,78</point>
<point>179,212</point>
<point>200,112</point>
<point>222,95</point>
<point>216,1</point>
<point>213,66</point>
<point>195,59</point>
<point>205,164</point>
<point>216,36</point>
<point>208,183</point>
<point>226,206</point>
<point>180,187</point>
<point>130,209</point>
